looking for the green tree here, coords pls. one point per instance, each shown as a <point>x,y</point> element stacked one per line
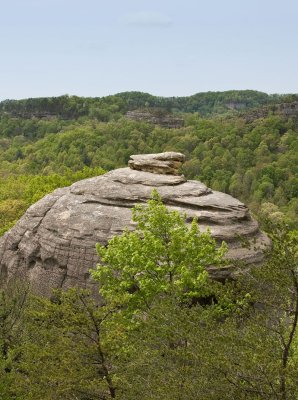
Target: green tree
<point>13,305</point>
<point>162,256</point>
<point>256,346</point>
<point>69,349</point>
<point>251,353</point>
<point>243,345</point>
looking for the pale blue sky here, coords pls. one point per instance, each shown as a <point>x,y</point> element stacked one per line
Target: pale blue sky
<point>165,47</point>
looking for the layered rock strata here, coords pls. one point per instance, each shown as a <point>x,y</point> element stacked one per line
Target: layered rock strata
<point>167,163</point>
<point>166,121</point>
<point>53,244</point>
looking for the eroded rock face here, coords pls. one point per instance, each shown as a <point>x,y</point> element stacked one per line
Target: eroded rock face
<point>166,121</point>
<point>53,244</point>
<point>167,163</point>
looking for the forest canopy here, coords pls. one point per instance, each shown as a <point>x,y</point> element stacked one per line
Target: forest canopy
<point>246,152</point>
<point>164,329</point>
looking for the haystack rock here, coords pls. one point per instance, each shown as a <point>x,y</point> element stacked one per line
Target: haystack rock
<point>53,244</point>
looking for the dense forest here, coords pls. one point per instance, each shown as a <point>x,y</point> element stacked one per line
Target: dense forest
<point>247,153</point>
<point>155,342</point>
<point>111,107</point>
<point>164,330</point>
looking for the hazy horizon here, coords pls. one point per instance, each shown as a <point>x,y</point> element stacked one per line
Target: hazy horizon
<point>169,48</point>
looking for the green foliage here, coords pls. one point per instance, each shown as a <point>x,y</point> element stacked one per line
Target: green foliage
<point>259,354</point>
<point>67,353</point>
<point>250,354</point>
<point>154,336</point>
<point>163,256</point>
<point>254,161</point>
<point>18,193</point>
<point>106,108</point>
<point>13,305</point>
<point>169,356</point>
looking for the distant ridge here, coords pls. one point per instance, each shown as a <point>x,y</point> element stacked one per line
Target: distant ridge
<point>205,103</point>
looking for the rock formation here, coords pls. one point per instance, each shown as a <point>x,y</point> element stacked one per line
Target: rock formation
<point>166,121</point>
<point>283,110</point>
<point>162,163</point>
<point>53,244</point>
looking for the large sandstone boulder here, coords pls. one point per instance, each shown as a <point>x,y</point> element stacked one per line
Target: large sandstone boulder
<point>53,244</point>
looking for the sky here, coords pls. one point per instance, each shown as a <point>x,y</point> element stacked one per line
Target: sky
<point>165,47</point>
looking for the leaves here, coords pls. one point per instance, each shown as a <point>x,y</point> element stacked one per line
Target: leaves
<point>162,256</point>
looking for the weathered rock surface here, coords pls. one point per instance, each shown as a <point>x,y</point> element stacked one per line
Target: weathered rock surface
<point>283,110</point>
<point>166,121</point>
<point>53,244</point>
<point>167,163</point>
